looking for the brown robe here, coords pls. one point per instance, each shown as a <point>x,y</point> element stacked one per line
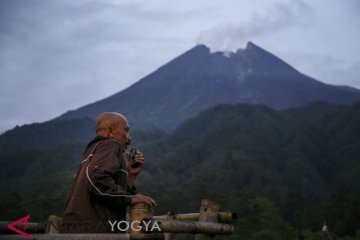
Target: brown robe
<point>99,192</point>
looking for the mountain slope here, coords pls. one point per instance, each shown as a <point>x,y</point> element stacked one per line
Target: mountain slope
<point>47,135</point>
<point>199,79</point>
<point>192,82</point>
<point>233,149</point>
<point>304,159</point>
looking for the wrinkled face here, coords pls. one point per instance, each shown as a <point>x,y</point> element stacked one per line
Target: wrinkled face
<point>121,133</point>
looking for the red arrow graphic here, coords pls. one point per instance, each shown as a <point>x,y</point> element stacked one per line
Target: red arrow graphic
<point>12,225</point>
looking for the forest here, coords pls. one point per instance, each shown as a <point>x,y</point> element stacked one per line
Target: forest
<point>285,172</point>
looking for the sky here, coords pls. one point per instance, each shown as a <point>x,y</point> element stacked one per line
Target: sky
<point>60,55</point>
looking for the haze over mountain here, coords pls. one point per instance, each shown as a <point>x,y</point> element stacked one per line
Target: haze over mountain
<point>199,79</point>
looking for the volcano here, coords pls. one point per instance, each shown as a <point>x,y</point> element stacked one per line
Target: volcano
<point>199,79</point>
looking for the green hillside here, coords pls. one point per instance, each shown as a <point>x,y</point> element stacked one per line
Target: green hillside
<point>283,172</point>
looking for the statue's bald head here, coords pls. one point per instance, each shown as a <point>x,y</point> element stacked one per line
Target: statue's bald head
<point>108,122</point>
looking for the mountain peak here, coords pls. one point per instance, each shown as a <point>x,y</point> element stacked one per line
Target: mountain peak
<point>266,61</point>
<point>201,78</point>
<point>250,45</point>
<point>251,50</point>
<point>196,52</point>
<point>257,51</point>
<point>200,48</point>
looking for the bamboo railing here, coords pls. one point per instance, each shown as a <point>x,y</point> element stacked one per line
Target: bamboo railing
<point>206,224</point>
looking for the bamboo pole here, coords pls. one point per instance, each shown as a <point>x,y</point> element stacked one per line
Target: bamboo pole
<point>32,227</point>
<point>168,235</point>
<point>63,236</point>
<point>176,226</point>
<point>208,213</point>
<point>138,212</point>
<point>84,236</point>
<point>223,217</point>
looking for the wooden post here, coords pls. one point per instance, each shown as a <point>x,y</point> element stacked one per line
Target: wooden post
<point>53,224</point>
<point>208,213</point>
<point>167,236</point>
<point>138,212</point>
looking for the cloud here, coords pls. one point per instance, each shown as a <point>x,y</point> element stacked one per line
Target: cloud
<point>278,17</point>
<point>60,55</point>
